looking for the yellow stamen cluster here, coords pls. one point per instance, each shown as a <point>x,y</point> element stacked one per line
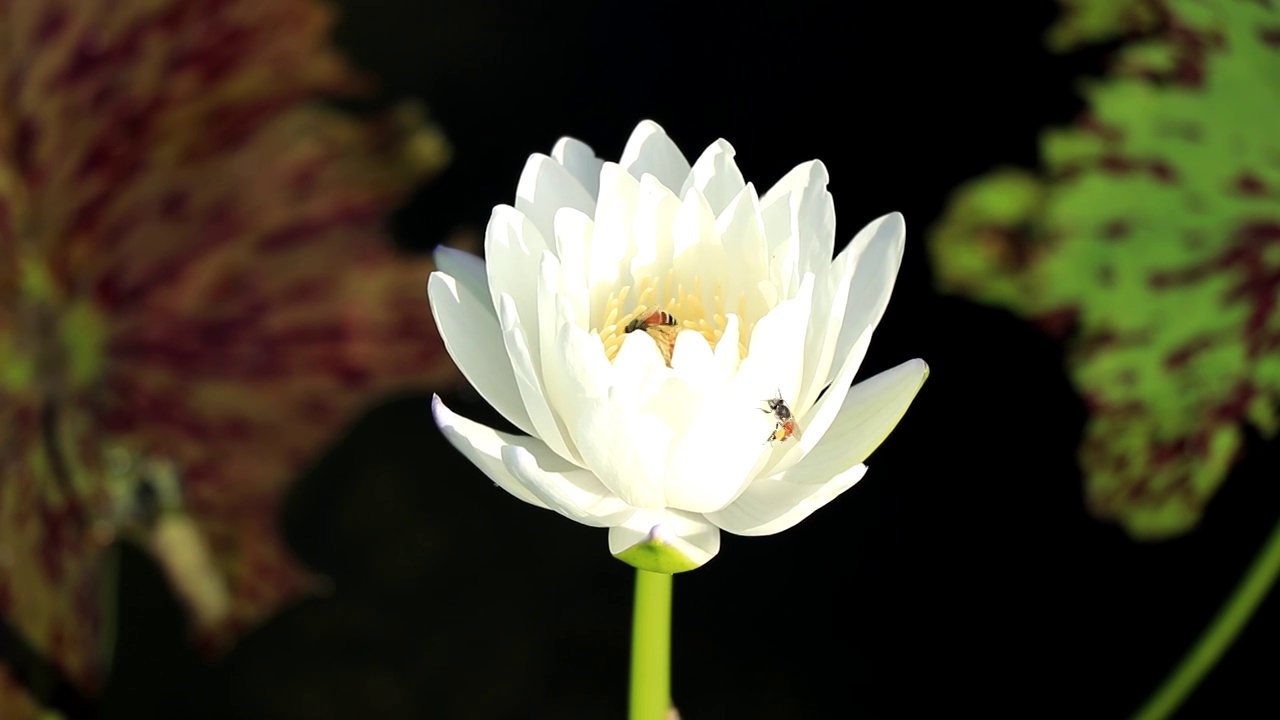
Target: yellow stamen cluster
<point>684,304</point>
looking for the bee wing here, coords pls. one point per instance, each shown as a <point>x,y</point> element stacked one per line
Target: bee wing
<point>665,337</point>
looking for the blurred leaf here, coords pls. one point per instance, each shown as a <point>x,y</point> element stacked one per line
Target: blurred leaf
<point>1150,243</point>
<point>1091,21</point>
<point>195,296</point>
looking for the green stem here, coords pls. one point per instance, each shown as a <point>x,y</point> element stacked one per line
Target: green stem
<point>1231,619</point>
<point>651,648</point>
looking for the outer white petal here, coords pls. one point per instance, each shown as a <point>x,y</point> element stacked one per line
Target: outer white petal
<point>565,488</point>
<point>688,534</point>
<point>474,341</point>
<point>771,505</point>
<point>551,355</point>
<point>574,232</point>
<point>878,248</point>
<point>869,291</point>
<point>482,445</point>
<point>528,469</point>
<point>576,373</point>
<point>716,176</point>
<point>871,410</point>
<point>514,250</point>
<point>580,160</point>
<point>467,269</point>
<point>528,378</point>
<point>830,302</point>
<point>546,186</point>
<point>649,150</point>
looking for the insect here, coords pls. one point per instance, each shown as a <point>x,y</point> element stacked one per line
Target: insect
<point>657,318</point>
<point>660,325</point>
<point>786,424</point>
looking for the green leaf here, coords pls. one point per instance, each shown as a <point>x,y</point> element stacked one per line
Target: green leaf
<point>1153,234</point>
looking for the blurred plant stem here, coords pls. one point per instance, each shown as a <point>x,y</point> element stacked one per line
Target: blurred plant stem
<point>1217,638</point>
<point>651,648</point>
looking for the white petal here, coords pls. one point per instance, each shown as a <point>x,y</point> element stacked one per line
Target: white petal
<point>775,358</point>
<point>587,371</point>
<point>716,176</point>
<point>693,361</point>
<point>696,242</point>
<point>875,271</point>
<point>620,442</point>
<point>514,250</point>
<point>474,340</point>
<point>655,216</point>
<point>565,488</point>
<point>576,373</point>
<point>871,410</point>
<point>580,160</point>
<point>546,186</point>
<point>528,378</point>
<point>724,445</point>
<point>573,233</point>
<point>800,222</point>
<point>717,456</point>
<point>611,244</point>
<point>467,269</point>
<point>689,534</point>
<point>830,302</point>
<point>551,357</point>
<point>771,505</point>
<point>529,470</point>
<point>727,354</point>
<point>482,445</point>
<point>873,279</point>
<point>742,235</point>
<point>649,150</point>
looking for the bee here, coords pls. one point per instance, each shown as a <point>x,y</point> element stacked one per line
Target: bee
<point>660,325</point>
<point>657,318</point>
<point>786,423</point>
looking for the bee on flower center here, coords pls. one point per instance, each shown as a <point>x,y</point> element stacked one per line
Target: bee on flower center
<point>657,318</point>
<point>786,425</point>
<point>660,325</point>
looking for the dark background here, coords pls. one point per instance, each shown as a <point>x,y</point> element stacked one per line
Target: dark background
<point>963,574</point>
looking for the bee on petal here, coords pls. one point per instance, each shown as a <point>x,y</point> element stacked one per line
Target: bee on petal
<point>660,325</point>
<point>786,425</point>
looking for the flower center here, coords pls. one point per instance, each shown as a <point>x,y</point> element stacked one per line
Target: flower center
<point>687,305</point>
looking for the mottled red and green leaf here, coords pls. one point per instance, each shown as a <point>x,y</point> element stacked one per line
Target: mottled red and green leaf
<point>1151,245</point>
<point>192,269</point>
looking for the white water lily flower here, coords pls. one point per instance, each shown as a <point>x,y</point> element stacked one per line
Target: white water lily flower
<point>664,434</point>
